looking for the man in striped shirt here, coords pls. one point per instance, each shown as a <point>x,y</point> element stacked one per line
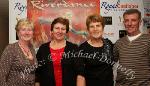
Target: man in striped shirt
<point>133,53</point>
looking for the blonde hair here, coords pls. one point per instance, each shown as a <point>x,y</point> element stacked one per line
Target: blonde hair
<point>24,22</point>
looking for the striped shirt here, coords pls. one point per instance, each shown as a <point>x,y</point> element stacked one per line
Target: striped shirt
<point>134,61</point>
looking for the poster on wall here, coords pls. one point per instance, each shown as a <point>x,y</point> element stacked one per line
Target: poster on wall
<point>44,12</point>
<point>115,9</point>
<point>146,4</point>
<point>146,19</point>
<point>17,10</point>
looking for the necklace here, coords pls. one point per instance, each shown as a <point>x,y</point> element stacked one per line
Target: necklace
<point>56,45</point>
<point>96,43</point>
<point>26,52</point>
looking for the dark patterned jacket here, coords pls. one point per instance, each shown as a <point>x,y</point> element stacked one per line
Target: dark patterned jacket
<point>15,68</point>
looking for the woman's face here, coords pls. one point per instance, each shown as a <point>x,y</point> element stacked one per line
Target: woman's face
<point>59,31</point>
<point>25,33</point>
<point>95,30</point>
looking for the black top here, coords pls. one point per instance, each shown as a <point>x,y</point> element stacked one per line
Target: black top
<point>45,70</point>
<point>96,64</point>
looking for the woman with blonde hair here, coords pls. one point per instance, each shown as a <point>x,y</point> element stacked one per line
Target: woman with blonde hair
<point>18,62</point>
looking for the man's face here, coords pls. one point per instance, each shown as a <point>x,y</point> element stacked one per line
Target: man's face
<point>132,24</point>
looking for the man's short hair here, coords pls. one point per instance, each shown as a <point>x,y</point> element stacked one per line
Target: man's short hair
<point>132,11</point>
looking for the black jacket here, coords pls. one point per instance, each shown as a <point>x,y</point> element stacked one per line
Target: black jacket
<point>45,70</point>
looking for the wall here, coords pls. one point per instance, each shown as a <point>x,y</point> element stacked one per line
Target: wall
<point>4,24</point>
<point>112,10</point>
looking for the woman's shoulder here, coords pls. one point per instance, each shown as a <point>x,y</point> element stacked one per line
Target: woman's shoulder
<point>12,45</point>
<point>83,44</point>
<point>44,45</point>
<point>10,49</point>
<point>107,41</point>
<point>71,44</point>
